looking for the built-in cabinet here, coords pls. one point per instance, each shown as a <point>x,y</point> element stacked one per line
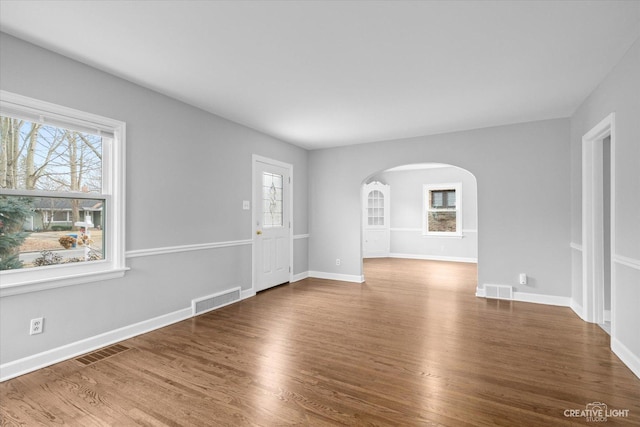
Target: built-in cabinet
<point>375,221</point>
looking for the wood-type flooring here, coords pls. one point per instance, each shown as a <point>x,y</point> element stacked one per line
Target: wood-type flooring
<point>412,346</point>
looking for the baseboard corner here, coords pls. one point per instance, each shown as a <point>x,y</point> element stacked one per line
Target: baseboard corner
<point>299,276</point>
<point>577,308</point>
<point>247,293</point>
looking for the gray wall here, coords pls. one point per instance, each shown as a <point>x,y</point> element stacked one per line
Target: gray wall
<point>523,205</point>
<point>619,93</point>
<point>407,213</point>
<point>179,159</point>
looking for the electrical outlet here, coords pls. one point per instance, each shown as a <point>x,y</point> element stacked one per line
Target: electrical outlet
<point>37,326</point>
<point>523,278</point>
<point>338,261</point>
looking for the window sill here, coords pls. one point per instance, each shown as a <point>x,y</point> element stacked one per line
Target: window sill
<point>445,236</point>
<point>60,281</point>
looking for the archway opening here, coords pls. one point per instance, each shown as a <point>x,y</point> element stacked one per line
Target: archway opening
<point>424,211</point>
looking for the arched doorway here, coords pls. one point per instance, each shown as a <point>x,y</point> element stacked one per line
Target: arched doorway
<point>430,211</point>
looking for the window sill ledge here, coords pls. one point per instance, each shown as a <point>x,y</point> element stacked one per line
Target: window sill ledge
<point>60,282</point>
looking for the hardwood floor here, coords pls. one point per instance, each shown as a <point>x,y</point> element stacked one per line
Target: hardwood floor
<point>412,346</point>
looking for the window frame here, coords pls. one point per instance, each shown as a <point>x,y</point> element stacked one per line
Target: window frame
<point>426,208</point>
<point>113,265</point>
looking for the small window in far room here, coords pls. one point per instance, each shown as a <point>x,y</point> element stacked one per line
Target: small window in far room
<point>442,214</point>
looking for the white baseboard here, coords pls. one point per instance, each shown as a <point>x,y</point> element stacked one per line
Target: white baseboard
<point>335,276</point>
<point>577,308</point>
<point>299,276</point>
<point>542,299</point>
<point>626,356</point>
<point>248,293</point>
<point>46,358</point>
<point>69,351</point>
<point>434,257</point>
<point>534,298</point>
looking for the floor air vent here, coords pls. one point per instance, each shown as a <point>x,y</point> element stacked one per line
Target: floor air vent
<point>103,353</point>
<point>498,291</point>
<point>211,302</point>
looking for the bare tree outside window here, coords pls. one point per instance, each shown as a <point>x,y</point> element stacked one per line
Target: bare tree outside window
<point>42,157</point>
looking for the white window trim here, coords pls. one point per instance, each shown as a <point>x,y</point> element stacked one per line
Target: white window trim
<point>20,281</point>
<point>426,188</point>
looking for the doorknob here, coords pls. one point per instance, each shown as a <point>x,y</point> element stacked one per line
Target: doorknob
<point>258,232</point>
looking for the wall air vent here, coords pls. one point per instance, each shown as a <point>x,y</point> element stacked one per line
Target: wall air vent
<point>498,291</point>
<point>211,302</point>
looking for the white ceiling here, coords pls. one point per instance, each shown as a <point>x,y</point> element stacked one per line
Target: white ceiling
<point>329,73</point>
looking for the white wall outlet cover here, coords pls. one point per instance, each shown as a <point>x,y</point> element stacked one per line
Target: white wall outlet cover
<point>36,326</point>
<point>523,278</point>
<point>246,205</point>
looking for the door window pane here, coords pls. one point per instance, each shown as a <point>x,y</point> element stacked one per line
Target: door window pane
<point>272,201</point>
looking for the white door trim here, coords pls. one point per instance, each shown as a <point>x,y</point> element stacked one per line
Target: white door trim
<point>255,158</point>
<point>592,222</point>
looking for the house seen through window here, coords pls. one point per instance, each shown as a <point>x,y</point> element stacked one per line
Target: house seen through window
<point>40,159</point>
<point>57,204</point>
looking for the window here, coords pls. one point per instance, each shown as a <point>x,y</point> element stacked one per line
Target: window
<point>375,208</point>
<point>272,200</point>
<point>442,209</point>
<point>61,196</point>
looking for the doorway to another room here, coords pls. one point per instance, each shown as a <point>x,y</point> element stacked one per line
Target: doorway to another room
<point>425,211</point>
<point>598,224</point>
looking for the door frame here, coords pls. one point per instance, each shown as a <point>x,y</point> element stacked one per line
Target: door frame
<point>593,222</point>
<point>255,159</point>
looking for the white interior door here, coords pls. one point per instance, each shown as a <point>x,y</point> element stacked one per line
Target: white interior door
<point>376,233</point>
<point>272,238</point>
